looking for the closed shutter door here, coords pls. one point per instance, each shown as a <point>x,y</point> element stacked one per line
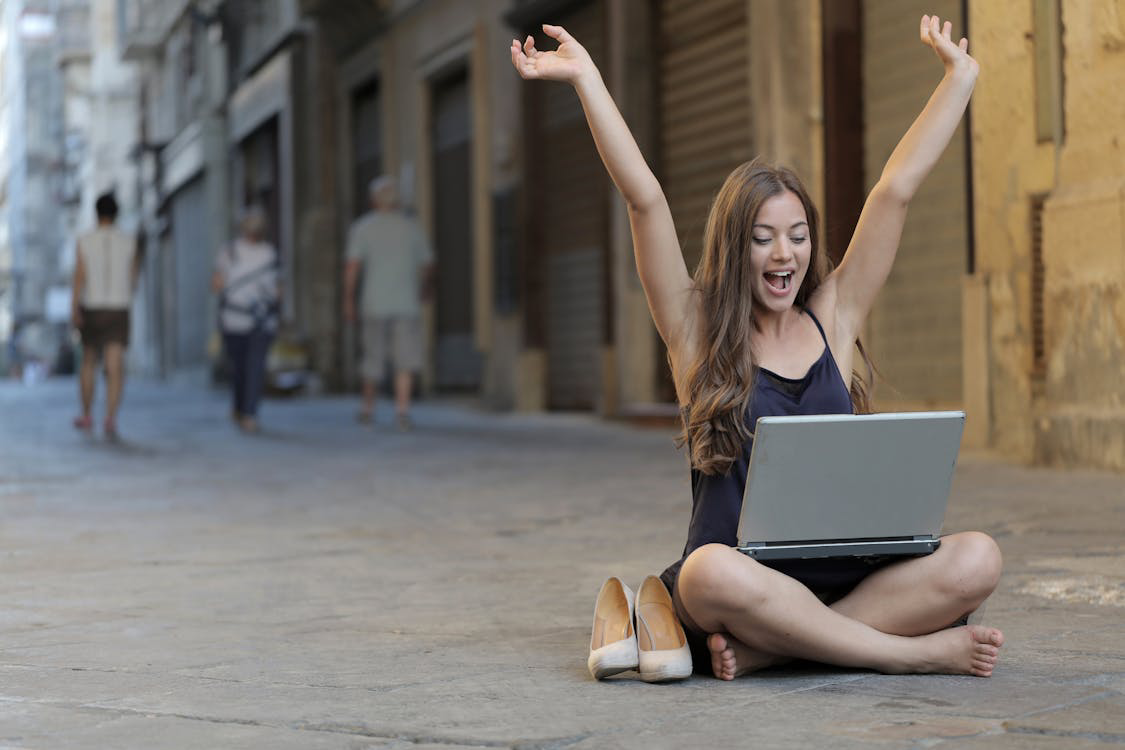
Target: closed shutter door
<point>704,117</point>
<point>457,362</point>
<point>569,186</point>
<point>704,95</point>
<point>915,327</point>
<point>367,132</point>
<point>193,274</point>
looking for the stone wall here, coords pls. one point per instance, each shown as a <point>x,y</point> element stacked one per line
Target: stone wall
<point>1064,406</point>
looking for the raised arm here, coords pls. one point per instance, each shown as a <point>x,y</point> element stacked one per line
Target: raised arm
<point>656,248</point>
<point>873,247</point>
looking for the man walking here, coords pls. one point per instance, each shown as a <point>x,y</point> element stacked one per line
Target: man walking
<point>396,262</point>
<point>106,268</point>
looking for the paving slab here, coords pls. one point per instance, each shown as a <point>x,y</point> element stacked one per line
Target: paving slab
<point>328,585</point>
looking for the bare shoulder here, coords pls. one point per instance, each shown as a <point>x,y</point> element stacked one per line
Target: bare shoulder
<point>841,339</point>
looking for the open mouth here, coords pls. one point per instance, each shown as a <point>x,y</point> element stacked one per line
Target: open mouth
<point>779,281</point>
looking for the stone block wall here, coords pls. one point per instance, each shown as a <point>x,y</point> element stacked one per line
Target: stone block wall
<point>1056,388</point>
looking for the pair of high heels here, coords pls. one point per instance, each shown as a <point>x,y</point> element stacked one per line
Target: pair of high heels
<point>640,632</point>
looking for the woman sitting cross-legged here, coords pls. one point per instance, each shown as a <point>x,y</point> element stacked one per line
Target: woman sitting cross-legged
<point>767,327</point>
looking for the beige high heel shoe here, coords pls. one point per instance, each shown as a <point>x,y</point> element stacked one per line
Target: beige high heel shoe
<point>613,642</point>
<point>663,650</point>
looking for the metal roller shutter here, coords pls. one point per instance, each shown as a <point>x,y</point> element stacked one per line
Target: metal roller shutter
<point>193,273</point>
<point>915,327</point>
<point>704,109</point>
<point>457,363</point>
<point>703,96</point>
<point>569,210</point>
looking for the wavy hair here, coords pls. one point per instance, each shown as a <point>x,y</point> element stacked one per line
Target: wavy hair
<point>720,381</point>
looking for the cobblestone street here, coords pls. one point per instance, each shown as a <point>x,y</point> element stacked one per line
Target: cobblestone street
<point>330,585</point>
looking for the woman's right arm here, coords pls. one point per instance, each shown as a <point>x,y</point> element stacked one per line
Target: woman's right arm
<point>656,248</point>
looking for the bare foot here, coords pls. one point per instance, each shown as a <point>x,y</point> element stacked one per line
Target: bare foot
<point>732,658</point>
<point>970,649</point>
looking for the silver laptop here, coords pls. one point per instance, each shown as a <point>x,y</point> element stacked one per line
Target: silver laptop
<point>847,485</point>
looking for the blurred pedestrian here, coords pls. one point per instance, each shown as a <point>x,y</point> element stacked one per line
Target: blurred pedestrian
<point>396,262</point>
<point>106,267</point>
<point>247,280</point>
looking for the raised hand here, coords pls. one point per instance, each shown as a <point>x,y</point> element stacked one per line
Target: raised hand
<point>568,63</point>
<point>954,56</point>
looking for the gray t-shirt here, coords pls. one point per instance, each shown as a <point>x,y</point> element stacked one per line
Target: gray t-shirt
<point>394,253</point>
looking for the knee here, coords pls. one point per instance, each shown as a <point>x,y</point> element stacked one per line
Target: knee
<point>973,567</point>
<point>714,576</point>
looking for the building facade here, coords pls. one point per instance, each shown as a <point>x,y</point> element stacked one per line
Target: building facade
<point>298,104</point>
<point>32,315</point>
<point>181,150</point>
<point>1046,301</point>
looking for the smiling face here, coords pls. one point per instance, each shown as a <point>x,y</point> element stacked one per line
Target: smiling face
<point>780,251</point>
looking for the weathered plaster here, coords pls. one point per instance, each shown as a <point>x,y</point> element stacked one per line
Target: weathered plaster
<point>1073,413</point>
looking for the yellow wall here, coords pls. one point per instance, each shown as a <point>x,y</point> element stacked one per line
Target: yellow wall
<point>1074,413</point>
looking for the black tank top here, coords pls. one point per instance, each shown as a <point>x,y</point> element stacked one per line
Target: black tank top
<point>717,499</point>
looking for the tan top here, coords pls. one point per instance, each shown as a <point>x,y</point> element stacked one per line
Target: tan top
<point>107,255</point>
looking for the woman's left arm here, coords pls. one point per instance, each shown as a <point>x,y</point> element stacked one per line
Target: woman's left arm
<point>871,253</point>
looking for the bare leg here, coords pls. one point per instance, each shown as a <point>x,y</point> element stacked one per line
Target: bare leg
<point>87,379</point>
<point>924,594</point>
<point>115,381</point>
<point>773,616</point>
<point>404,381</point>
<point>368,407</point>
<point>914,597</point>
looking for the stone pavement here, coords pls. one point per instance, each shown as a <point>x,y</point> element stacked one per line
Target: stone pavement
<point>327,585</point>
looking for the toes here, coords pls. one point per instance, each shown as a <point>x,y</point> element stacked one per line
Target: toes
<point>722,656</point>
<point>722,668</point>
<point>983,666</point>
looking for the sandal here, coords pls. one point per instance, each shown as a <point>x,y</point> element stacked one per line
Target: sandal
<point>83,423</point>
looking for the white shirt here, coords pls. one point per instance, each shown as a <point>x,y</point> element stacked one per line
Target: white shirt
<point>250,283</point>
<point>107,255</point>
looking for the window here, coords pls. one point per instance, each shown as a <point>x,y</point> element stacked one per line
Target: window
<point>1047,32</point>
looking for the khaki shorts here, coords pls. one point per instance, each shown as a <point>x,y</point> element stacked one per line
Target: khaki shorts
<point>401,338</point>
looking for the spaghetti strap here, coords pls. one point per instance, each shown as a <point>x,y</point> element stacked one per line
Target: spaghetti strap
<point>818,326</point>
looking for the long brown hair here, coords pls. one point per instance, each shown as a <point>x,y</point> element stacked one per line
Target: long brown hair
<point>720,381</point>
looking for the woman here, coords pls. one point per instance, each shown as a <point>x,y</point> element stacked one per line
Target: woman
<point>766,327</point>
<point>246,280</point>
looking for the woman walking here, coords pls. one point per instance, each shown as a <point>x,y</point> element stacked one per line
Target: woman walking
<point>766,327</point>
<point>246,280</point>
